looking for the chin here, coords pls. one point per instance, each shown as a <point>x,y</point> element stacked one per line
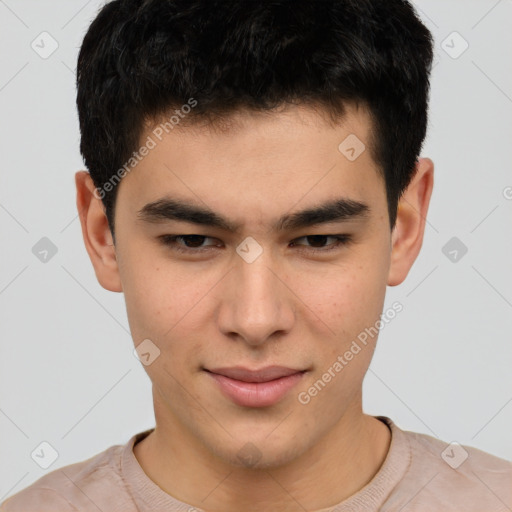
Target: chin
<point>260,455</point>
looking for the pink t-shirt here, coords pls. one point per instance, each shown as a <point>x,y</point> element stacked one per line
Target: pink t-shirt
<point>420,474</point>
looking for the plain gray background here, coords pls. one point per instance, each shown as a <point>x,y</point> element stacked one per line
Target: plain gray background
<point>68,375</point>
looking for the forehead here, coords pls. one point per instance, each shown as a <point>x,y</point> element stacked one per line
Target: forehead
<point>252,161</point>
<point>282,125</point>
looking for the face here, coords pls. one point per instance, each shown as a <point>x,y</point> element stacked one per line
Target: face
<point>291,273</point>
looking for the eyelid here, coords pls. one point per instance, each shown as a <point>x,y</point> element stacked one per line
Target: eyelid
<point>342,240</point>
<point>171,239</point>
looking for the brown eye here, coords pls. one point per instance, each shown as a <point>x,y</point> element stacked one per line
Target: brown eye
<point>319,243</point>
<point>187,243</point>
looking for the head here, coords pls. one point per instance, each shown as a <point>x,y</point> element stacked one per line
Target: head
<point>260,127</point>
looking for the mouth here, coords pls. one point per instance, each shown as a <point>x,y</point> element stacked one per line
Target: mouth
<point>256,388</point>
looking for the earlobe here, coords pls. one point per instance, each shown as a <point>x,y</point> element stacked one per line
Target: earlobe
<point>407,235</point>
<point>96,233</point>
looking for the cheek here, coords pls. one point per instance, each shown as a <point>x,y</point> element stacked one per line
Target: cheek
<point>160,297</point>
<point>347,298</point>
<point>350,303</point>
<point>163,305</point>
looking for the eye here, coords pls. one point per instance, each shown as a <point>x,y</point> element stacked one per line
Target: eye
<point>194,244</point>
<point>187,243</point>
<point>320,240</point>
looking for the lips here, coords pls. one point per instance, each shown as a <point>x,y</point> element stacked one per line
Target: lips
<point>263,375</point>
<point>255,388</point>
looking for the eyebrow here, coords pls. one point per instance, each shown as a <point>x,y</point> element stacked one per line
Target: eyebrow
<point>337,210</point>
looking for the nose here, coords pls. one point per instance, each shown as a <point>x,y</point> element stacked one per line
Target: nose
<point>256,303</point>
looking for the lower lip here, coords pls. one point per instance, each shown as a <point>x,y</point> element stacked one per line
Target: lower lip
<point>256,394</point>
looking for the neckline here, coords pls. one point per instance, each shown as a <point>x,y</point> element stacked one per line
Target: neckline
<point>147,495</point>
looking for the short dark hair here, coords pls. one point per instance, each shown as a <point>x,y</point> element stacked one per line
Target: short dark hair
<point>142,58</point>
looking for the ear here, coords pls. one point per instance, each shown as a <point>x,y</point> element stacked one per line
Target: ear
<point>96,233</point>
<point>407,235</point>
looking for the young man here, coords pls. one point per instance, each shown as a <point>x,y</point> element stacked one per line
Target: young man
<point>253,187</point>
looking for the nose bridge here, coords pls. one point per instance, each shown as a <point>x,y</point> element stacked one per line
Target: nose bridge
<point>260,303</point>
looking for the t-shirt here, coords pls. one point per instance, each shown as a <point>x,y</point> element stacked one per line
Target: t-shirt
<point>419,474</point>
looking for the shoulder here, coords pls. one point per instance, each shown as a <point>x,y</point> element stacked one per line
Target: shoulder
<point>83,486</point>
<point>36,498</point>
<point>450,476</point>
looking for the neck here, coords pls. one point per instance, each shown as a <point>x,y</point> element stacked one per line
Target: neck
<point>334,468</point>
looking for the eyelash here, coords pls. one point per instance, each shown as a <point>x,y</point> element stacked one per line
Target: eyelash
<point>170,240</point>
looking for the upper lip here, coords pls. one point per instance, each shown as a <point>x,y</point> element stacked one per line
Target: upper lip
<point>261,375</point>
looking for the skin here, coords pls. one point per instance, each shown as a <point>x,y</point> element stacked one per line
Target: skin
<point>289,308</point>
